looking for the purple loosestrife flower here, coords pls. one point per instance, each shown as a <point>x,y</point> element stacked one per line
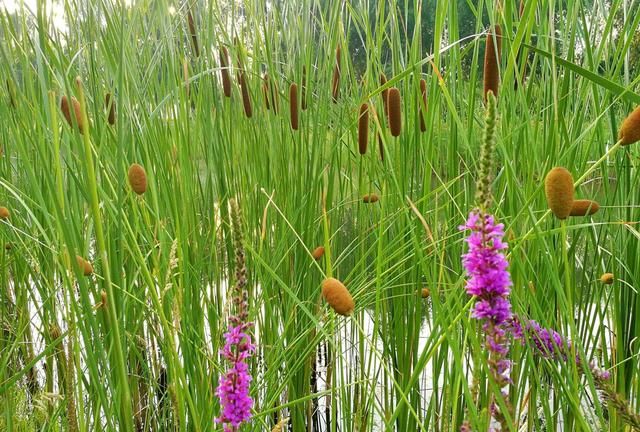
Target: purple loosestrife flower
<point>233,390</point>
<point>490,282</point>
<point>552,345</point>
<point>547,342</point>
<point>486,266</point>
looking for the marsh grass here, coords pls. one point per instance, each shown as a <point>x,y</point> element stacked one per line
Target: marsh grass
<point>161,265</point>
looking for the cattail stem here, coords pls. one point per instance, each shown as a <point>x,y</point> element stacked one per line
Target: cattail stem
<point>385,94</point>
<point>423,105</point>
<point>595,166</point>
<point>335,83</point>
<point>304,88</point>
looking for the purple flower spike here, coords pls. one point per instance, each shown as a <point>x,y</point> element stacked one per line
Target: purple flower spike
<point>233,389</point>
<point>490,282</point>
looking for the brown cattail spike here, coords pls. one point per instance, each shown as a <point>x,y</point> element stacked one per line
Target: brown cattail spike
<point>246,98</point>
<point>110,106</point>
<point>630,129</point>
<point>425,293</point>
<point>558,188</point>
<point>304,88</point>
<point>137,178</point>
<point>492,55</point>
<point>77,112</point>
<point>370,199</point>
<point>607,278</point>
<point>423,105</point>
<point>318,253</point>
<point>85,266</point>
<point>395,111</point>
<point>335,83</point>
<point>363,128</point>
<point>584,207</point>
<point>4,213</point>
<point>192,33</point>
<point>293,105</point>
<point>224,71</point>
<point>338,297</point>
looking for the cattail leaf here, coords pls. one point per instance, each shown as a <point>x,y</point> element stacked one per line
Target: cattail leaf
<point>613,87</point>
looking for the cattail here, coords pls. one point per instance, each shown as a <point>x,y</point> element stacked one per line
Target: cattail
<point>270,92</point>
<point>318,253</point>
<point>192,33</point>
<point>425,293</point>
<point>558,188</point>
<point>87,268</point>
<point>224,70</point>
<point>304,88</point>
<point>273,92</point>
<point>137,178</point>
<point>335,83</point>
<point>110,106</point>
<point>66,110</point>
<point>246,98</point>
<point>395,111</point>
<point>370,199</point>
<point>4,213</point>
<point>492,54</point>
<point>607,278</point>
<point>265,90</point>
<point>630,129</point>
<point>363,128</point>
<point>338,297</point>
<point>423,105</point>
<point>584,207</point>
<point>293,105</point>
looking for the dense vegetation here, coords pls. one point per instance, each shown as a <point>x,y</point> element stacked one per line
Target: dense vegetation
<point>115,282</point>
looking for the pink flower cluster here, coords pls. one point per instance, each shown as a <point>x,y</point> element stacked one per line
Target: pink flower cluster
<point>486,266</point>
<point>233,389</point>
